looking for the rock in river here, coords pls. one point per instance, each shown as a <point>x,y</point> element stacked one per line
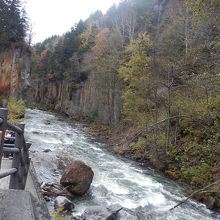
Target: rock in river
<point>63,203</point>
<point>77,177</point>
<point>100,213</point>
<point>47,150</point>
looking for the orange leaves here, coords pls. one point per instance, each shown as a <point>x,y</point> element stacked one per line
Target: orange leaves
<point>102,42</point>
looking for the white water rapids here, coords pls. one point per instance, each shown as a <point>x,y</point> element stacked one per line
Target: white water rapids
<point>143,192</point>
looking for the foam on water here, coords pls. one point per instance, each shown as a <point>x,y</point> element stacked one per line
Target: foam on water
<point>143,191</point>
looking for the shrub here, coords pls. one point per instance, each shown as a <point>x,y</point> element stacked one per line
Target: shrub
<point>16,110</point>
<point>197,175</point>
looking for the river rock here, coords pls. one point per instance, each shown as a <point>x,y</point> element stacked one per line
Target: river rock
<point>127,214</point>
<point>209,202</point>
<point>100,213</point>
<point>77,177</point>
<point>61,202</point>
<point>47,150</point>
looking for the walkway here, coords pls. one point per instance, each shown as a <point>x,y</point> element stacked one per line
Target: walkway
<point>22,204</point>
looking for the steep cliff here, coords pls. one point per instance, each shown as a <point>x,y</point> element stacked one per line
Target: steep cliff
<point>90,98</point>
<point>14,71</point>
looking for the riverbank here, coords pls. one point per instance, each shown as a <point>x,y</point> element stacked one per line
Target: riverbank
<point>142,191</point>
<point>117,140</point>
<point>118,143</point>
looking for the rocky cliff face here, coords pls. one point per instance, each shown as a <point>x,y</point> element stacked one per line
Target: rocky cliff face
<point>91,98</point>
<point>14,71</point>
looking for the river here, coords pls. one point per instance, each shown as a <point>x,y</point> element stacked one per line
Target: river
<point>143,192</point>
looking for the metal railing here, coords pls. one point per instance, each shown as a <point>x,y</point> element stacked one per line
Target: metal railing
<point>20,151</point>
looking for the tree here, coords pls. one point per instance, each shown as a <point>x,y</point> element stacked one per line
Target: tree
<point>104,65</point>
<point>125,22</point>
<point>136,75</point>
<point>13,22</point>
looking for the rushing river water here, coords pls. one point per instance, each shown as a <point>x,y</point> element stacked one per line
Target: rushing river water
<point>143,192</point>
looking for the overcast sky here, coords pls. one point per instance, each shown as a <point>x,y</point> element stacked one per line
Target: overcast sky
<point>50,17</point>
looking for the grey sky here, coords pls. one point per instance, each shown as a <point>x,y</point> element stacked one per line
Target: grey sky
<point>50,17</point>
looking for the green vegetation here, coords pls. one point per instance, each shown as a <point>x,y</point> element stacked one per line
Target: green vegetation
<point>57,213</point>
<point>136,74</point>
<point>162,59</point>
<point>16,110</point>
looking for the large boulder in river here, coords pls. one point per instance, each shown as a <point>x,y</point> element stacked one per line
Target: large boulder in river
<point>77,177</point>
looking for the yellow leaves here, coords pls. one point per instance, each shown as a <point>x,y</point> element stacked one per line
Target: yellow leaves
<point>124,73</point>
<point>57,214</point>
<point>16,110</point>
<point>142,45</point>
<point>101,42</point>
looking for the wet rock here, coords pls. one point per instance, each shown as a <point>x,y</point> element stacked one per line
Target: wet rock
<point>47,122</point>
<point>47,198</point>
<point>63,160</point>
<point>100,213</point>
<point>209,202</point>
<point>114,209</point>
<point>47,150</point>
<point>77,177</point>
<point>127,214</point>
<point>63,203</point>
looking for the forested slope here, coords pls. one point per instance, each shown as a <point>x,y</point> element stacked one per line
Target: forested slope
<point>150,70</point>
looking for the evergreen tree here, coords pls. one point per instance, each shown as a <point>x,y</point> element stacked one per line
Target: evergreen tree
<point>13,22</point>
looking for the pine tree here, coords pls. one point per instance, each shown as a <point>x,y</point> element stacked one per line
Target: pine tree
<point>13,22</point>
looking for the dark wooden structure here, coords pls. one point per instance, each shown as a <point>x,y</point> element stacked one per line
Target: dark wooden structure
<point>20,151</point>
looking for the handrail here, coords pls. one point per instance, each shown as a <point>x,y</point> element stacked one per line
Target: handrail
<point>9,145</point>
<point>14,128</point>
<point>10,150</point>
<point>7,172</point>
<point>20,150</point>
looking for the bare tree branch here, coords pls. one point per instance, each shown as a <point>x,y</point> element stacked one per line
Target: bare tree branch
<point>194,193</point>
<point>150,127</point>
